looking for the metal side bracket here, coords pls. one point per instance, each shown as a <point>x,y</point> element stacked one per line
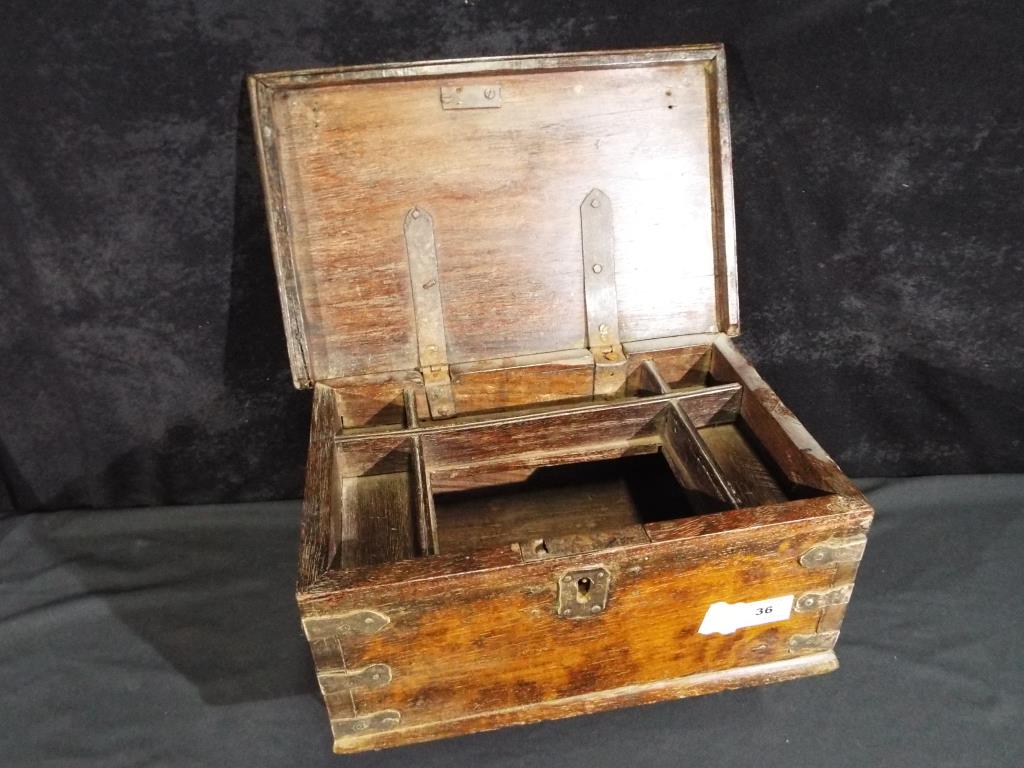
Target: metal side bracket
<point>426,297</point>
<point>600,295</point>
<point>834,551</point>
<point>365,725</point>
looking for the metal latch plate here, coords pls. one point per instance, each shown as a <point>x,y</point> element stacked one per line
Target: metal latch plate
<point>583,592</point>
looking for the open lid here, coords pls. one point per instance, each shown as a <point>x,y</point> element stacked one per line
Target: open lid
<point>494,159</point>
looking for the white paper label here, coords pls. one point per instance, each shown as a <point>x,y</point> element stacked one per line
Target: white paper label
<point>725,618</point>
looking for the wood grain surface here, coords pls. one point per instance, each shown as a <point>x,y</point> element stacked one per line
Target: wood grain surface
<point>347,155</point>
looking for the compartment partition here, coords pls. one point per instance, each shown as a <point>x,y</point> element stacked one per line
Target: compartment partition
<point>593,473</point>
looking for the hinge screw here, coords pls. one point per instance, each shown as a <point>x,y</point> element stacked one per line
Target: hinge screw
<point>595,203</point>
<point>415,213</point>
<point>597,269</point>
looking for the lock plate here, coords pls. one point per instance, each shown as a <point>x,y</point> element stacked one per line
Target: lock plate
<point>583,592</point>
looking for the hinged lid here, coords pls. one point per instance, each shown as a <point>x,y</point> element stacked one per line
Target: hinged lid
<point>499,156</point>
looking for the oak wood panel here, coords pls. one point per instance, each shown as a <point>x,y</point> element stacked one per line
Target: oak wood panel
<point>507,383</point>
<point>693,463</point>
<point>376,399</point>
<point>628,696</point>
<point>495,640</point>
<point>519,468</point>
<point>377,519</point>
<point>779,432</point>
<point>561,501</point>
<point>681,361</point>
<point>596,424</point>
<point>346,158</point>
<point>746,473</point>
<point>549,432</point>
<point>339,590</point>
<point>316,528</point>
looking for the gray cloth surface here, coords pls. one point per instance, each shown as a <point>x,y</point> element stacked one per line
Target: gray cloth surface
<point>169,636</point>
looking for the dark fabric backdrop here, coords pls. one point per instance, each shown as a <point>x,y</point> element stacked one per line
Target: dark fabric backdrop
<point>878,163</point>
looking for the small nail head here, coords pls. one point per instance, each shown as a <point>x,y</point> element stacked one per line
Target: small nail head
<point>595,203</point>
<point>598,268</point>
<point>415,213</point>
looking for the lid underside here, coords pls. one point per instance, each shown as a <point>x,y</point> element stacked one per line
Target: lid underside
<point>348,153</point>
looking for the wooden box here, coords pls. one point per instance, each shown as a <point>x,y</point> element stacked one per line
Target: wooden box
<point>542,480</point>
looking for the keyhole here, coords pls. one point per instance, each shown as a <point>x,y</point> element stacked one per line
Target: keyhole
<point>583,587</point>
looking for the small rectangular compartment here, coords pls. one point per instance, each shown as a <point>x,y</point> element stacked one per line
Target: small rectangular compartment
<point>587,499</point>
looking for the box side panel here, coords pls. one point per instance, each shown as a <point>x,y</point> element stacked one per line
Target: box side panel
<point>464,649</point>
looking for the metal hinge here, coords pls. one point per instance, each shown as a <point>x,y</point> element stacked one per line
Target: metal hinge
<point>426,296</point>
<point>816,601</point>
<point>847,550</point>
<point>384,720</point>
<point>600,295</point>
<point>339,681</point>
<point>822,641</point>
<point>351,623</point>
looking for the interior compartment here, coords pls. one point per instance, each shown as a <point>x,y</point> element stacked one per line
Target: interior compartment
<point>560,501</point>
<point>561,479</point>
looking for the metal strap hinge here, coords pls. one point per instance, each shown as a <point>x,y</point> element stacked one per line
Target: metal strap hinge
<point>600,295</point>
<point>426,296</point>
<point>822,641</point>
<point>833,551</point>
<point>350,623</point>
<point>342,680</point>
<point>809,602</point>
<point>366,724</point>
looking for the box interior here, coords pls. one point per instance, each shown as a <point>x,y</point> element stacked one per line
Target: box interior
<point>556,479</point>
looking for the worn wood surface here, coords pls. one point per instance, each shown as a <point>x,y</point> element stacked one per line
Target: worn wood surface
<point>572,429</point>
<point>693,463</point>
<point>560,501</point>
<point>628,696</point>
<point>752,481</point>
<point>495,642</point>
<point>347,154</point>
<point>377,524</point>
<point>798,455</point>
<point>317,530</point>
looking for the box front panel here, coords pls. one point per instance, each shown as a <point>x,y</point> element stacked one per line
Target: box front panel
<point>483,649</point>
